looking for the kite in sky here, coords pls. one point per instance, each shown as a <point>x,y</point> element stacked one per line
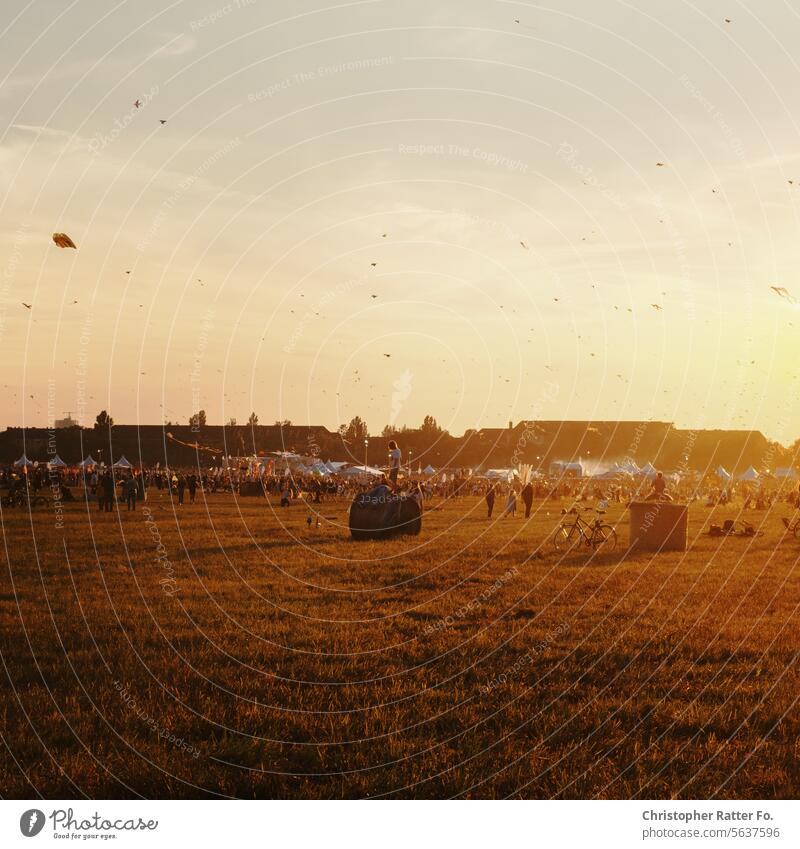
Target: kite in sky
<point>63,240</point>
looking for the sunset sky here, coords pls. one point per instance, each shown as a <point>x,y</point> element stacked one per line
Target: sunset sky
<point>537,261</point>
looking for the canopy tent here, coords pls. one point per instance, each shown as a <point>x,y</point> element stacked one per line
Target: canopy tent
<point>319,469</point>
<point>750,475</point>
<point>501,474</point>
<point>56,463</point>
<point>23,461</point>
<point>87,463</point>
<point>648,470</point>
<point>787,472</point>
<point>630,467</point>
<point>723,473</point>
<point>362,470</point>
<point>563,467</point>
<point>429,470</point>
<point>123,463</point>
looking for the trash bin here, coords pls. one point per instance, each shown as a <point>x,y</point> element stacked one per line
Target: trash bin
<point>659,526</point>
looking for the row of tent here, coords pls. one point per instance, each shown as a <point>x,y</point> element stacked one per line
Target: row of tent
<point>58,463</point>
<point>751,474</point>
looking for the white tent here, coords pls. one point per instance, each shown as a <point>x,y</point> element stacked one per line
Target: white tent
<point>629,467</point>
<point>123,463</point>
<point>723,473</point>
<point>362,470</point>
<point>429,470</point>
<point>57,463</point>
<point>319,469</point>
<point>23,461</point>
<point>787,472</point>
<point>750,475</point>
<point>648,470</point>
<point>562,467</point>
<point>501,474</point>
<point>88,462</point>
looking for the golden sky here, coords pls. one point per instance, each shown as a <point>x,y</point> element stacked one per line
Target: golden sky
<point>531,258</point>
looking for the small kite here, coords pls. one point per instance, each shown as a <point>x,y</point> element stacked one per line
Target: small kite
<point>63,240</point>
<point>783,292</point>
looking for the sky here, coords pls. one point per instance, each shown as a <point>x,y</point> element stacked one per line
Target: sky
<point>483,211</point>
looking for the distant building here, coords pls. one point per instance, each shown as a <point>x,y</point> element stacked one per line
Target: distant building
<point>66,422</point>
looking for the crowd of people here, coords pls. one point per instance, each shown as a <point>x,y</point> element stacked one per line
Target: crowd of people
<point>506,497</point>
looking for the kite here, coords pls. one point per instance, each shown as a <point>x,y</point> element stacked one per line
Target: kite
<point>194,445</point>
<point>63,240</point>
<point>783,292</point>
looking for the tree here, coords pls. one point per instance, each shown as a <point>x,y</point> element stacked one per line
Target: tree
<point>284,423</point>
<point>356,430</point>
<point>198,419</point>
<point>253,420</point>
<point>103,420</point>
<point>231,422</point>
<point>389,431</point>
<point>430,426</point>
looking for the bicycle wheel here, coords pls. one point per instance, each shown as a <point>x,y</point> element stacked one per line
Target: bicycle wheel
<point>565,539</point>
<point>604,539</point>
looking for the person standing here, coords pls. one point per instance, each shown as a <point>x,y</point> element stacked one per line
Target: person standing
<point>527,498</point>
<point>181,487</point>
<point>108,491</point>
<point>490,493</point>
<point>394,462</point>
<point>511,503</point>
<point>192,487</point>
<point>130,490</point>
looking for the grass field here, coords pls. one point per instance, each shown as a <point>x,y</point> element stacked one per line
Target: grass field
<point>253,657</point>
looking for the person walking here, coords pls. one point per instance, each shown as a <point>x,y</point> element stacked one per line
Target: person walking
<point>181,487</point>
<point>490,493</point>
<point>130,490</point>
<point>527,498</point>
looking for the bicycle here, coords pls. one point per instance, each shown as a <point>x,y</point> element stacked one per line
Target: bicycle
<point>792,527</point>
<point>597,536</point>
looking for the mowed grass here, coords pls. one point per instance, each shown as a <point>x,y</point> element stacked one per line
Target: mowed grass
<point>297,663</point>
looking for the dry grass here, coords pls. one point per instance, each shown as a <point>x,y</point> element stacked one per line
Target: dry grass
<point>299,663</point>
